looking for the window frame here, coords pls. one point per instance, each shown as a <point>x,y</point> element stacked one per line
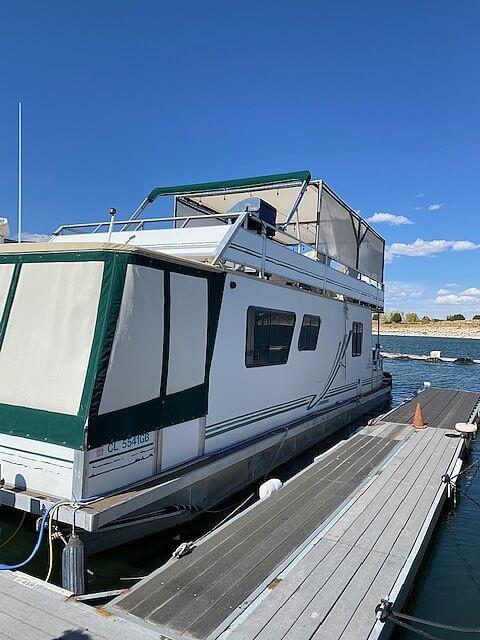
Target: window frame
<point>300,345</point>
<point>357,339</point>
<point>250,361</point>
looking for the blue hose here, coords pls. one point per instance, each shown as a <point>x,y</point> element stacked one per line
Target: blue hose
<point>15,567</point>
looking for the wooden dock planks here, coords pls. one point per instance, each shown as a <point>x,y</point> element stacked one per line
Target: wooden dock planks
<point>442,408</point>
<point>32,610</point>
<point>195,595</point>
<point>370,549</point>
<point>310,563</point>
<point>315,559</point>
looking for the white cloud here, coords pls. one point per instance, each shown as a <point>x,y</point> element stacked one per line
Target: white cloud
<point>389,218</point>
<point>453,298</point>
<point>436,207</point>
<point>412,296</point>
<point>452,285</point>
<point>464,245</point>
<point>418,208</point>
<point>468,297</point>
<point>419,195</point>
<point>396,292</point>
<point>427,248</point>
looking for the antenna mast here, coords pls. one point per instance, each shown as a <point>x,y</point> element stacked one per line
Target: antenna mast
<point>19,235</point>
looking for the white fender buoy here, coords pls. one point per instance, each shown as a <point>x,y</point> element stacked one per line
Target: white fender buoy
<point>270,486</point>
<point>465,428</point>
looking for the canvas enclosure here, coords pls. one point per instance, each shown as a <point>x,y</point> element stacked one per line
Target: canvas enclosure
<point>86,337</point>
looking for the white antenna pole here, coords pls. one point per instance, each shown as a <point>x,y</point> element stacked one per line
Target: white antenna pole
<point>19,236</point>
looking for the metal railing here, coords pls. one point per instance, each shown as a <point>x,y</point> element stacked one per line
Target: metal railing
<point>228,219</point>
<point>136,225</point>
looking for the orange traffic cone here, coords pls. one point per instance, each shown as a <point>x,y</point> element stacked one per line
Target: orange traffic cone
<point>418,422</point>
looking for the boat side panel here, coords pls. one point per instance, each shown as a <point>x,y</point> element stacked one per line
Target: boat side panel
<point>27,464</point>
<point>246,401</point>
<point>44,359</point>
<point>188,332</point>
<point>49,336</point>
<point>138,342</point>
<point>181,396</point>
<point>121,463</point>
<point>179,443</point>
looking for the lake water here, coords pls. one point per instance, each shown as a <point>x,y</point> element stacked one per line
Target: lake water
<point>448,584</point>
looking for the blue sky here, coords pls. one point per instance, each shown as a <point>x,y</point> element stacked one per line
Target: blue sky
<point>382,100</point>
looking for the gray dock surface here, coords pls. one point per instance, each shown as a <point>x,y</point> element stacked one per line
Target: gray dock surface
<point>310,563</point>
<point>32,610</point>
<point>332,593</point>
<point>314,560</point>
<point>196,594</point>
<point>442,408</point>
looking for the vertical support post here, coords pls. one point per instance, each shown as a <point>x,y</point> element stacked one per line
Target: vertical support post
<point>19,228</point>
<point>264,250</point>
<point>319,207</point>
<point>112,213</point>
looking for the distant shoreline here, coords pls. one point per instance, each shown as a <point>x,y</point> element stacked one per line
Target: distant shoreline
<point>445,329</point>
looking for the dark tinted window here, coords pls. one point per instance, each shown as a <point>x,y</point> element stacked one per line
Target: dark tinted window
<point>308,338</point>
<point>357,338</point>
<point>269,335</point>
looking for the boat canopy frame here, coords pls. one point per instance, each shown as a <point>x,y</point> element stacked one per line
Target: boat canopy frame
<point>311,218</point>
<point>317,217</point>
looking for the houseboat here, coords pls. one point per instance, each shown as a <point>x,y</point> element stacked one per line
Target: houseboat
<point>152,367</point>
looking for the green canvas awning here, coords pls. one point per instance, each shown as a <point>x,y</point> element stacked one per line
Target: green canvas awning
<point>208,187</point>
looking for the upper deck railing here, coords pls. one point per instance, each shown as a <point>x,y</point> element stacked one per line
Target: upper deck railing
<point>290,241</point>
<point>317,239</point>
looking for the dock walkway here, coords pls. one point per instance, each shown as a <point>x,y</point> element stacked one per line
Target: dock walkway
<point>309,563</point>
<point>313,560</point>
<point>30,609</point>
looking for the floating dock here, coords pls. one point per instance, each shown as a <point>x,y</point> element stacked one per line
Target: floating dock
<point>34,610</point>
<point>310,562</point>
<point>436,358</point>
<point>314,559</point>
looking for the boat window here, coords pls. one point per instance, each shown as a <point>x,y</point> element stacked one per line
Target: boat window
<point>357,338</point>
<point>308,338</point>
<point>269,336</point>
